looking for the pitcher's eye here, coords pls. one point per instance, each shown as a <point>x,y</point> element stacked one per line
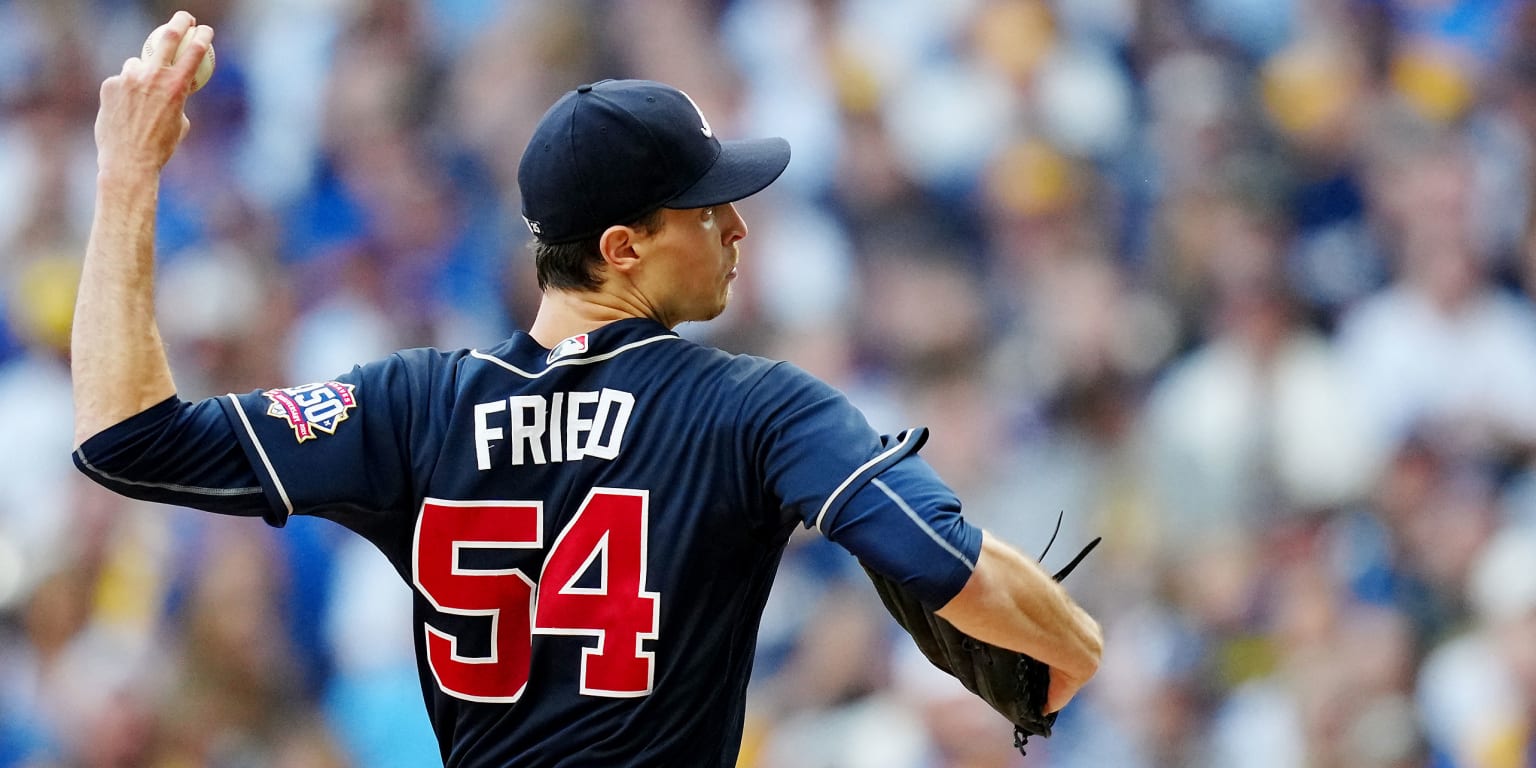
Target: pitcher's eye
<point>708,213</point>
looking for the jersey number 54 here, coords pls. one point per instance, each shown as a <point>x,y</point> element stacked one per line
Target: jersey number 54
<point>609,532</point>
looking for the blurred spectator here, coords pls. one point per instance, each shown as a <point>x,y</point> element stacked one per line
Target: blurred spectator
<point>1261,422</point>
<point>1443,347</point>
<point>1478,690</point>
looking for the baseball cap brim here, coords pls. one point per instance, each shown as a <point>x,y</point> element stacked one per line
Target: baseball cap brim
<point>744,168</point>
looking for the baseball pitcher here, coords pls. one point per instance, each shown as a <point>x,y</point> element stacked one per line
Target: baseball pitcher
<point>589,513</point>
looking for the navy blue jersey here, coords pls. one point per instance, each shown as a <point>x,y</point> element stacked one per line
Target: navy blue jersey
<point>590,531</point>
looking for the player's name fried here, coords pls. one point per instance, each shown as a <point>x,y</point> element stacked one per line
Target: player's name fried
<point>564,426</point>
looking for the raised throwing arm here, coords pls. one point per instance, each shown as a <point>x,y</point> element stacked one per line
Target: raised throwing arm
<point>118,362</point>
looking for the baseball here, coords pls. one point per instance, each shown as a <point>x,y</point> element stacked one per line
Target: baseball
<point>204,69</point>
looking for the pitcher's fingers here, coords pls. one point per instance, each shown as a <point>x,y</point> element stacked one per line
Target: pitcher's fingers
<point>1061,691</point>
<point>196,48</point>
<point>167,39</point>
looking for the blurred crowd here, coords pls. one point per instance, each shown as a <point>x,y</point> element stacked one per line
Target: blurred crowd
<point>1247,287</point>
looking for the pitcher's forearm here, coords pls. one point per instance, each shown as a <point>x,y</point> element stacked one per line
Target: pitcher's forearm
<point>117,359</point>
<point>1012,602</point>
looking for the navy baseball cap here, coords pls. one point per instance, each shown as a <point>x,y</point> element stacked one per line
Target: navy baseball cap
<point>610,152</point>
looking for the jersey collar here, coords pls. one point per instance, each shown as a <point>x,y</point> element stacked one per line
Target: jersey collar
<point>524,356</point>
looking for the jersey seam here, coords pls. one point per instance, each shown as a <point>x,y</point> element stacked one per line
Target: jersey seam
<point>277,482</point>
<point>571,360</point>
<point>173,487</point>
<point>408,428</point>
<point>923,524</point>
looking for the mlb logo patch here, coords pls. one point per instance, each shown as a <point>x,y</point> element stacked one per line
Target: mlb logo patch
<point>312,407</point>
<point>575,345</point>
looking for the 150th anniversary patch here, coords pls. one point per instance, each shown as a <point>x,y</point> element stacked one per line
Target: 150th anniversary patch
<point>312,407</point>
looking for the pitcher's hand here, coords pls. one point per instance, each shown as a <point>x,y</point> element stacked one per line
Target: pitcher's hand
<point>141,122</point>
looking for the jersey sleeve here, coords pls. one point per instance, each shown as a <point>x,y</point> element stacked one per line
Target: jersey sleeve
<point>867,492</point>
<point>813,448</point>
<point>175,452</point>
<point>907,525</point>
<point>339,449</point>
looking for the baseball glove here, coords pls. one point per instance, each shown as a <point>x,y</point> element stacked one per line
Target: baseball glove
<point>1013,683</point>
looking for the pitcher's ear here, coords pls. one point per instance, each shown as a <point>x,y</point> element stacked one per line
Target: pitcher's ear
<point>617,245</point>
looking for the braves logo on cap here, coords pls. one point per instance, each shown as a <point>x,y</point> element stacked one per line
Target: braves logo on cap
<point>312,407</point>
<point>708,132</point>
<point>575,345</point>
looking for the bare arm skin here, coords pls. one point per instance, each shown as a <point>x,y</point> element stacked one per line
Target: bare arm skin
<point>1010,601</point>
<point>117,360</point>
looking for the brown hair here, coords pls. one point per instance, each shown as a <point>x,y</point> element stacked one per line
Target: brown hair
<point>575,266</point>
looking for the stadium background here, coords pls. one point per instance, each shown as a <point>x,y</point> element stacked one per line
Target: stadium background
<point>1243,285</point>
